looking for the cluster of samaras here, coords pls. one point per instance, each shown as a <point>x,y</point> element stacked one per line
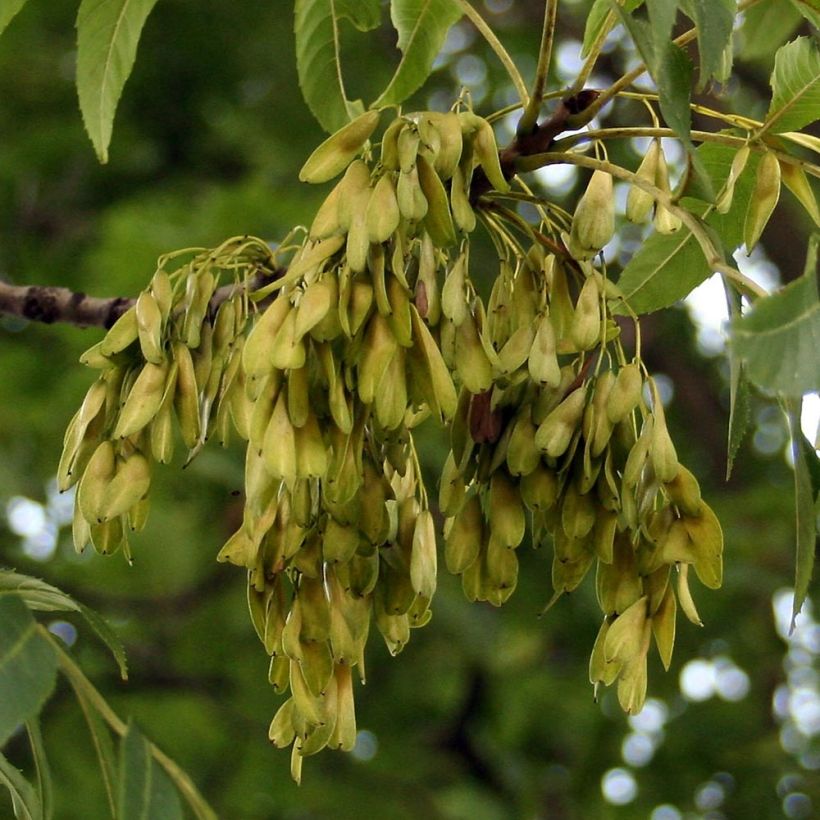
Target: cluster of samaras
<point>373,327</point>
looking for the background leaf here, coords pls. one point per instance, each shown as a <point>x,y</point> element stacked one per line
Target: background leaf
<point>23,796</point>
<point>795,87</point>
<point>318,62</point>
<point>7,10</point>
<point>38,595</point>
<point>107,35</point>
<point>364,14</point>
<point>45,786</point>
<point>596,19</point>
<point>780,337</point>
<point>807,497</point>
<point>766,26</point>
<point>145,792</point>
<point>715,20</point>
<point>422,26</point>
<point>28,667</point>
<point>810,9</point>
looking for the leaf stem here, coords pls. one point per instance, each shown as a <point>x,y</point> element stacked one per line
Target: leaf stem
<point>78,680</point>
<point>530,116</point>
<point>495,44</point>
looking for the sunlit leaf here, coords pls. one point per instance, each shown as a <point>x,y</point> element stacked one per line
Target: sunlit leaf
<point>28,666</point>
<point>318,61</point>
<point>107,35</point>
<point>24,798</point>
<point>795,86</point>
<point>779,339</point>
<point>145,792</point>
<point>597,17</point>
<point>7,10</point>
<point>422,26</point>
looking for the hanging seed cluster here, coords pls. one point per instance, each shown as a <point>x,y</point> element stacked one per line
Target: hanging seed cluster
<point>326,371</point>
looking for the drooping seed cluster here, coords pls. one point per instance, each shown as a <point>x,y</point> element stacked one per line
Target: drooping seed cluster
<point>326,371</point>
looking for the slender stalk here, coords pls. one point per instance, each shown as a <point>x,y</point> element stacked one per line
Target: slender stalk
<point>692,222</point>
<point>77,679</point>
<point>495,44</point>
<point>530,116</point>
<point>594,53</point>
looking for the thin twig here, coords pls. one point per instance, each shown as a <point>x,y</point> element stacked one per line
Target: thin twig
<point>530,116</point>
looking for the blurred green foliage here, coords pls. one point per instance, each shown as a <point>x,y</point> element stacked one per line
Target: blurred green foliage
<point>487,713</point>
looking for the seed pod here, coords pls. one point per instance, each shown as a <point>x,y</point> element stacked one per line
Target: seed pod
<point>632,680</point>
<point>314,305</point>
<point>486,152</point>
<point>423,556</point>
<point>505,511</point>
<point>123,332</point>
<point>578,512</point>
<point>543,361</point>
<point>143,401</point>
<point>149,327</point>
<point>258,348</point>
<point>724,200</point>
<point>338,150</point>
<point>625,637</point>
<point>639,202</point>
<point>665,221</point>
<point>795,179</point>
<point>390,399</point>
<point>463,212</point>
<point>539,489</point>
<point>555,432</point>
<point>344,730</point>
<point>411,199</point>
<point>128,485</point>
<point>684,492</point>
<point>687,604</point>
<point>311,455</point>
<point>585,328</point>
<point>625,394</point>
<point>199,288</point>
<point>429,371</point>
<point>91,493</point>
<point>707,537</point>
<point>281,732</point>
<point>601,671</point>
<point>661,449</point>
<point>383,214</point>
<point>186,396</point>
<point>472,365</point>
<point>438,221</point>
<point>454,293</point>
<point>593,223</point>
<point>501,570</point>
<point>326,222</point>
<point>463,539</point>
<point>452,489</point>
<point>663,627</point>
<point>516,349</point>
<point>279,445</point>
<point>763,201</point>
<point>522,454</point>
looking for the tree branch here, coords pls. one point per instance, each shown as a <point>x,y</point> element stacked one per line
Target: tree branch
<point>43,303</point>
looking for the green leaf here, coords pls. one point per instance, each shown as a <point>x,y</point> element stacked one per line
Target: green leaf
<point>810,9</point>
<point>780,337</point>
<point>28,666</point>
<point>807,507</point>
<point>8,9</point>
<point>107,35</point>
<point>45,787</point>
<point>145,791</point>
<point>738,391</point>
<point>23,796</point>
<point>38,595</point>
<point>766,27</point>
<point>318,61</point>
<point>715,20</point>
<point>422,26</point>
<point>101,737</point>
<point>795,87</point>
<point>364,14</point>
<point>597,18</point>
<point>666,268</point>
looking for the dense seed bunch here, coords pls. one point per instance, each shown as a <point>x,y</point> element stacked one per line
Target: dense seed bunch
<point>325,372</point>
